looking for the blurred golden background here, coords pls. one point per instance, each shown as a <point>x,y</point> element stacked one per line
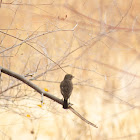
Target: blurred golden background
<point>97,42</point>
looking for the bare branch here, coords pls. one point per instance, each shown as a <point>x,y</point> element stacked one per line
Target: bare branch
<point>81,117</point>
<point>29,83</point>
<point>39,90</point>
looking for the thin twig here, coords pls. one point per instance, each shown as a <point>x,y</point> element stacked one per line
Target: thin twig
<point>81,117</point>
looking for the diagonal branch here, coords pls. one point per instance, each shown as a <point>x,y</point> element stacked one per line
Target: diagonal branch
<point>29,83</point>
<point>81,117</point>
<point>39,90</point>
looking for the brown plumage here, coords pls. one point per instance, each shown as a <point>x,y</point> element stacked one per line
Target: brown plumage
<point>66,87</point>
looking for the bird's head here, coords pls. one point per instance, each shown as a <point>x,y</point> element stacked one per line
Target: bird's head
<point>68,77</point>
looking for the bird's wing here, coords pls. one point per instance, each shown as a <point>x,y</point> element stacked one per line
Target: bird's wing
<point>66,87</point>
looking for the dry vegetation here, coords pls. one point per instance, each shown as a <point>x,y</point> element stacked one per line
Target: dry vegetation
<point>97,41</point>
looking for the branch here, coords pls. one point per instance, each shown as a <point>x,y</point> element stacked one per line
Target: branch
<point>81,117</point>
<point>29,83</point>
<point>39,90</point>
<point>37,36</point>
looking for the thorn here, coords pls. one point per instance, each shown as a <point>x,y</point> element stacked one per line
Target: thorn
<point>42,98</point>
<point>75,26</point>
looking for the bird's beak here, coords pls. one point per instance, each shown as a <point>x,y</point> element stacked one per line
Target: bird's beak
<point>72,76</point>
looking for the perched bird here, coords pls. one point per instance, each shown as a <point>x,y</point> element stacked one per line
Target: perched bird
<point>66,88</point>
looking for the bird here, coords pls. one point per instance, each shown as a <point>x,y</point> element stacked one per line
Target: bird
<point>66,87</point>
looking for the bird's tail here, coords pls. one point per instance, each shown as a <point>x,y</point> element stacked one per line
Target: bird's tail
<point>65,105</point>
